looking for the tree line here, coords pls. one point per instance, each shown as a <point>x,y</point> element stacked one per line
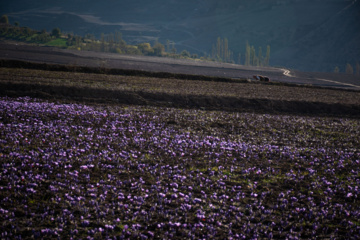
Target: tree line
<point>349,69</point>
<point>253,59</point>
<point>220,52</point>
<point>114,43</point>
<point>22,33</point>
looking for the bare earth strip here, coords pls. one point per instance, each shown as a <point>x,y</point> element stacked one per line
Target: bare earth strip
<point>169,92</point>
<point>289,74</point>
<point>179,66</point>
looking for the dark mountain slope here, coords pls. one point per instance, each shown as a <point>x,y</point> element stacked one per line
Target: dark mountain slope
<point>312,35</point>
<point>334,42</point>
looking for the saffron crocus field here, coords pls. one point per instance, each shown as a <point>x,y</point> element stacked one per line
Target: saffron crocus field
<point>131,172</point>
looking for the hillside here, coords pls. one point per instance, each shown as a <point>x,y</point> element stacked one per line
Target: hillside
<point>306,35</point>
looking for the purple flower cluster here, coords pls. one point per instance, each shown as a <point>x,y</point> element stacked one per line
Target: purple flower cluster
<point>119,172</point>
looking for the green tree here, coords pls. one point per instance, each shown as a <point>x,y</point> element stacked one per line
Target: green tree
<point>69,41</point>
<point>28,31</point>
<point>78,40</point>
<point>102,40</point>
<point>220,51</point>
<point>110,40</point>
<point>185,54</point>
<point>145,48</point>
<point>89,36</point>
<point>253,56</point>
<point>4,19</point>
<point>159,49</point>
<point>173,49</point>
<point>218,48</point>
<point>168,46</point>
<point>267,57</point>
<point>226,53</point>
<point>134,50</point>
<point>43,37</point>
<point>239,58</point>
<point>118,50</point>
<point>247,54</point>
<point>56,32</point>
<point>349,69</point>
<point>118,37</point>
<point>260,57</point>
<point>336,70</point>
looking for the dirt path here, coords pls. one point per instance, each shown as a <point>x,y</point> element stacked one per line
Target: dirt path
<point>287,73</point>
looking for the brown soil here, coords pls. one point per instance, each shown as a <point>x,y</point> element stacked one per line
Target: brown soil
<point>80,59</point>
<point>172,90</point>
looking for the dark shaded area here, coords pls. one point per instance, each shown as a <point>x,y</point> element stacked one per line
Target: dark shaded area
<point>221,103</point>
<point>113,71</point>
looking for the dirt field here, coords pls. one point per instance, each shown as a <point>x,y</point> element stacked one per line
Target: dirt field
<point>208,93</point>
<point>108,153</point>
<point>38,54</point>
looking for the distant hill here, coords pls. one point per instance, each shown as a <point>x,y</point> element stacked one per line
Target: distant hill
<point>311,35</point>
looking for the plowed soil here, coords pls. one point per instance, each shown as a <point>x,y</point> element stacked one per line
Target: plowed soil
<point>181,91</point>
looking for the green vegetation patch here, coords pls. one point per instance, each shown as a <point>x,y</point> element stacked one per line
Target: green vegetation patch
<point>59,42</point>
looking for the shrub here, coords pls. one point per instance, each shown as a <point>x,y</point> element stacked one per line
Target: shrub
<point>56,32</point>
<point>130,49</point>
<point>159,49</point>
<point>185,54</point>
<point>145,48</point>
<point>4,19</point>
<point>349,69</point>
